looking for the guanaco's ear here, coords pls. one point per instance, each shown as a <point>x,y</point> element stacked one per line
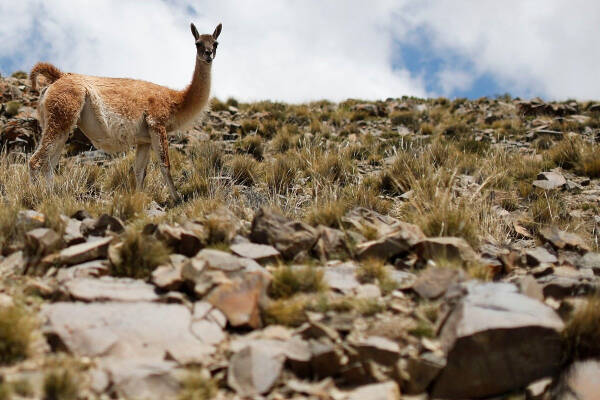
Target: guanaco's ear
<point>217,31</point>
<point>194,31</point>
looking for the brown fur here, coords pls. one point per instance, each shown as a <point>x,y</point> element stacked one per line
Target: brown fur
<point>145,112</point>
<point>45,69</point>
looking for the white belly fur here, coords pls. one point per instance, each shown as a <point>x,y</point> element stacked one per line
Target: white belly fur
<point>108,130</point>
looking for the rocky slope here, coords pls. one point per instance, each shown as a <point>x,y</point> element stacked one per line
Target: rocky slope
<point>405,248</point>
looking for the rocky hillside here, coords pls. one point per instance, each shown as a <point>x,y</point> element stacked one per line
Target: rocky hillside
<point>406,248</point>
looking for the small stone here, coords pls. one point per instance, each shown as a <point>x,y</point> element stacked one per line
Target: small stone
<point>379,349</point>
<point>550,180</point>
<point>290,238</point>
<point>90,269</point>
<point>591,261</point>
<point>537,389</point>
<point>564,240</point>
<point>434,281</point>
<point>539,255</point>
<point>331,244</point>
<point>72,233</point>
<point>418,372</point>
<point>254,369</point>
<point>220,260</point>
<point>87,251</point>
<point>376,391</point>
<point>368,291</point>
<point>581,381</point>
<point>446,248</point>
<point>342,277</point>
<point>30,219</point>
<point>14,264</point>
<point>43,240</point>
<point>239,299</point>
<point>101,225</point>
<point>257,252</point>
<point>394,243</point>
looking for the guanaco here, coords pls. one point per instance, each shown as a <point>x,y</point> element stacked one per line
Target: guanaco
<point>118,113</point>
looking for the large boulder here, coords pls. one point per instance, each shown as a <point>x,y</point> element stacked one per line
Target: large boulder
<point>496,340</point>
<point>125,330</point>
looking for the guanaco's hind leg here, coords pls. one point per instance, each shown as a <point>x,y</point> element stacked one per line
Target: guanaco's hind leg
<point>160,144</point>
<point>142,156</point>
<point>61,108</point>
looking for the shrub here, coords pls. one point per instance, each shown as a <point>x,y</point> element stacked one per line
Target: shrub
<point>251,144</point>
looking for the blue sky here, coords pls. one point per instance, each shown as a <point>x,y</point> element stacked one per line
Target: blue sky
<point>300,51</point>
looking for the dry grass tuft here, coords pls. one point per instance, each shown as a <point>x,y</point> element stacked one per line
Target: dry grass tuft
<point>375,271</point>
<point>243,169</point>
<point>287,312</point>
<point>138,255</point>
<point>288,281</point>
<point>61,384</point>
<point>582,332</point>
<point>253,145</point>
<point>15,334</point>
<point>198,385</point>
<point>327,212</point>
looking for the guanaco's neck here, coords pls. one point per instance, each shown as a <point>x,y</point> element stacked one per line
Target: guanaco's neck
<point>195,96</point>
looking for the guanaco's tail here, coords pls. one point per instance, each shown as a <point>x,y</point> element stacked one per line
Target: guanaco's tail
<point>46,69</point>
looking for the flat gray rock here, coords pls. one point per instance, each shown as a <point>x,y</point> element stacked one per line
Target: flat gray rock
<point>90,250</point>
<point>90,269</point>
<point>255,369</point>
<point>341,277</point>
<point>255,251</point>
<point>138,330</point>
<point>110,289</point>
<point>496,340</point>
<point>226,262</point>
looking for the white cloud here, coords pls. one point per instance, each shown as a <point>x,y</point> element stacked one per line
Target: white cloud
<point>311,49</point>
<point>292,51</point>
<point>534,46</point>
<point>450,79</point>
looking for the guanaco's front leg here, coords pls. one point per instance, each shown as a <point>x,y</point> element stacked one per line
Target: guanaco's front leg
<point>160,144</point>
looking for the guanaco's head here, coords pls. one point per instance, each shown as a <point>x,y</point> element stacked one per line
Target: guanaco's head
<point>206,45</point>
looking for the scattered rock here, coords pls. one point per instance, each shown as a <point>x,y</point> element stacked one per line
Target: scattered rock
<point>184,241</point>
<point>90,269</point>
<point>378,349</point>
<point>15,264</point>
<point>99,227</point>
<point>362,219</point>
<point>564,240</point>
<point>43,240</point>
<point>550,180</point>
<point>239,299</point>
<point>331,244</point>
<point>434,281</point>
<point>537,389</point>
<point>30,219</point>
<point>290,238</point>
<point>418,372</point>
<point>497,340</point>
<point>342,277</point>
<point>376,391</point>
<point>446,248</point>
<point>72,234</point>
<point>580,381</point>
<point>539,255</point>
<point>399,241</point>
<point>83,252</point>
<point>134,330</point>
<point>110,289</point>
<point>591,261</point>
<point>220,260</point>
<point>255,369</point>
<point>257,252</point>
